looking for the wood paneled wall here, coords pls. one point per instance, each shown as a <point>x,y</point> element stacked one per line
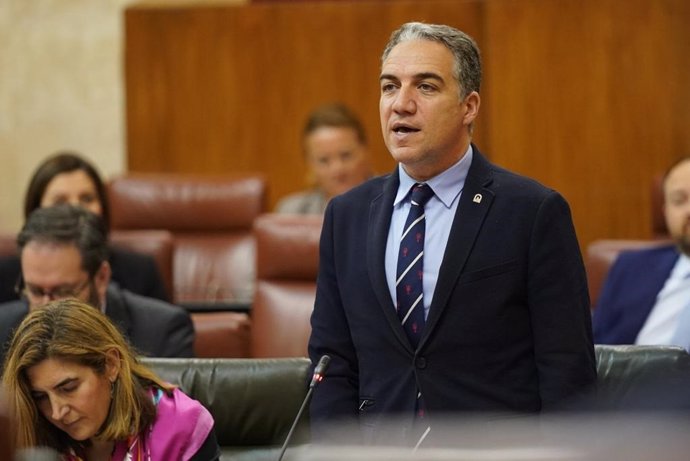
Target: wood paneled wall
<point>588,96</point>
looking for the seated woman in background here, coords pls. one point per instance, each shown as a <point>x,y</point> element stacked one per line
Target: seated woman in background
<point>68,178</point>
<point>74,384</point>
<point>335,149</point>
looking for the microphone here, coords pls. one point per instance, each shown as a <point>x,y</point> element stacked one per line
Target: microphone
<point>320,370</point>
<point>317,377</point>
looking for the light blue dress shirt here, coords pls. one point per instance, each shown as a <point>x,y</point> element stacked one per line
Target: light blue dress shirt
<point>439,211</point>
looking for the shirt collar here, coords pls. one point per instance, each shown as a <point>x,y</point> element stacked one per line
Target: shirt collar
<point>446,185</point>
<point>681,269</point>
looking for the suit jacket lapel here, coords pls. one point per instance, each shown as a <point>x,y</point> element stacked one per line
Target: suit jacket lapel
<point>475,201</point>
<point>380,212</point>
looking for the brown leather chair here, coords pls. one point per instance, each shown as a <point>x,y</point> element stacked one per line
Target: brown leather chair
<point>157,243</point>
<point>8,244</point>
<point>210,218</point>
<point>287,265</point>
<point>221,334</point>
<point>600,256</point>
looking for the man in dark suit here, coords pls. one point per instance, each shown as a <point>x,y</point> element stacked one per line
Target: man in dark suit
<point>645,298</point>
<point>64,254</point>
<point>501,322</point>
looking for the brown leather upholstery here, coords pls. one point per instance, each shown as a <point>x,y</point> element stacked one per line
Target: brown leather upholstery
<point>157,243</point>
<point>601,254</point>
<point>213,258</point>
<point>287,265</point>
<point>221,334</point>
<point>8,244</point>
<point>211,219</point>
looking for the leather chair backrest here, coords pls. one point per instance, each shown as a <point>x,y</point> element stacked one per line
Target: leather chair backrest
<point>157,243</point>
<point>213,258</point>
<point>600,256</point>
<point>287,266</point>
<point>8,244</point>
<point>625,369</point>
<point>253,401</point>
<point>221,334</point>
<point>211,220</point>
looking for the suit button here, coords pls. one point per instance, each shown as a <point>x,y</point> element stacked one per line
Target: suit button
<point>420,362</point>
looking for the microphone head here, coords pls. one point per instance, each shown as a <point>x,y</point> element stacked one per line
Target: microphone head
<point>322,365</point>
<point>319,370</point>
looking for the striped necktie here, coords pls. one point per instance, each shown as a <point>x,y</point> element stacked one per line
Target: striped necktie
<point>408,284</point>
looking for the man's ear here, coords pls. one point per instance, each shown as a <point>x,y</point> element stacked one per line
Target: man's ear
<point>472,101</point>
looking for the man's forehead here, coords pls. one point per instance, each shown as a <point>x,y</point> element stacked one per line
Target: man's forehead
<point>50,246</point>
<point>42,259</point>
<point>418,57</point>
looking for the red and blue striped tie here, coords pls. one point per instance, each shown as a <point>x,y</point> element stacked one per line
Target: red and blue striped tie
<point>410,302</point>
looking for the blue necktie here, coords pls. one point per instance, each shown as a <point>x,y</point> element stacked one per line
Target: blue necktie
<point>408,285</point>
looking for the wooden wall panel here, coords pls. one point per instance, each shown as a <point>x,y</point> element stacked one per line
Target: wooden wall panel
<point>591,98</point>
<point>587,96</point>
<point>227,88</point>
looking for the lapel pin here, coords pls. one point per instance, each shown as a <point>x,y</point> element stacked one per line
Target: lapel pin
<point>477,198</point>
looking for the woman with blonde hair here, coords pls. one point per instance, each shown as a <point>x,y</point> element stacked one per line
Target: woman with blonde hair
<point>335,149</point>
<point>74,384</point>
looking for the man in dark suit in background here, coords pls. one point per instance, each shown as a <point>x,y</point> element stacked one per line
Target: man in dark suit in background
<point>501,322</point>
<point>64,254</point>
<point>646,295</point>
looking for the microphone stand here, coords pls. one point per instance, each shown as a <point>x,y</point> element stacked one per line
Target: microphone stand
<point>306,400</point>
<point>318,375</point>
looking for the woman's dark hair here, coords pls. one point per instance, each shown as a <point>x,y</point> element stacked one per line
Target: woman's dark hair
<point>63,162</point>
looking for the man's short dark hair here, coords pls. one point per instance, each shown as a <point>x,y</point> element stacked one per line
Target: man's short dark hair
<point>67,224</point>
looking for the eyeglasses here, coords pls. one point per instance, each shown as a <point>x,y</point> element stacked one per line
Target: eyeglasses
<point>35,293</point>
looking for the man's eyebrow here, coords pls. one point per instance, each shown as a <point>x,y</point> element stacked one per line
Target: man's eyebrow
<point>387,77</point>
<point>419,76</point>
<point>427,76</point>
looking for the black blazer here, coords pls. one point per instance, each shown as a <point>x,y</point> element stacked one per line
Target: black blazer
<point>136,272</point>
<point>509,326</point>
<point>155,328</point>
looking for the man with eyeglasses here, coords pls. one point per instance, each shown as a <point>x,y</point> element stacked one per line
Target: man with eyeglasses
<point>64,254</point>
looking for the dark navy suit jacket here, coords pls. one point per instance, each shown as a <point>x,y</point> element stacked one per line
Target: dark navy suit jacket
<point>509,325</point>
<point>630,292</point>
